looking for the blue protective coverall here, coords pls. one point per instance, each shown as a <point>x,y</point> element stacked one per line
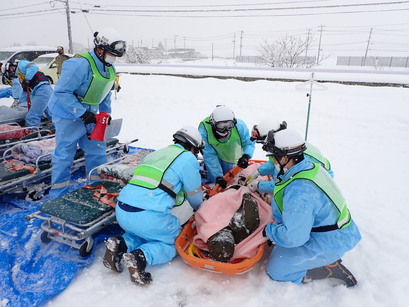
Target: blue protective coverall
<point>18,109</point>
<point>297,249</point>
<point>269,169</point>
<point>216,167</point>
<point>154,229</point>
<point>66,110</point>
<point>40,94</point>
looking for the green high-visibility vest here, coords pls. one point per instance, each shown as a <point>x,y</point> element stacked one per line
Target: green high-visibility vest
<point>150,172</point>
<point>100,85</point>
<point>322,180</point>
<point>316,154</point>
<point>229,151</point>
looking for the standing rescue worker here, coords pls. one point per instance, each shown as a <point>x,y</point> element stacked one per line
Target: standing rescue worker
<point>83,89</point>
<point>60,58</point>
<point>227,143</point>
<point>313,228</point>
<point>160,182</point>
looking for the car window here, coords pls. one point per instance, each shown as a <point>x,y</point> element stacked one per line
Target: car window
<point>4,55</point>
<point>42,61</point>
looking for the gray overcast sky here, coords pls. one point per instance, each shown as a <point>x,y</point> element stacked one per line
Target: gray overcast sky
<point>201,23</point>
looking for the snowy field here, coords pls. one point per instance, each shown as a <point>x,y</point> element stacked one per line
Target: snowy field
<point>363,131</point>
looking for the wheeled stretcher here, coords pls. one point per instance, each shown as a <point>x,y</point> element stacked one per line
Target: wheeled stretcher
<point>197,258</point>
<point>73,218</point>
<point>12,134</point>
<point>19,176</point>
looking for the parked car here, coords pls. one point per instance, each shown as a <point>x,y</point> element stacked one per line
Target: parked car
<point>46,63</point>
<point>28,53</point>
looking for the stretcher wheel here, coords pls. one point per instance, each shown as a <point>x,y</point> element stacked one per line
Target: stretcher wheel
<point>44,237</point>
<point>86,247</point>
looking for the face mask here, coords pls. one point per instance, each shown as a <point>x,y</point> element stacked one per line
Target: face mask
<point>110,59</point>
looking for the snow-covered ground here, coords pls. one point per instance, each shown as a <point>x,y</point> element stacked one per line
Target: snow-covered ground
<point>363,131</point>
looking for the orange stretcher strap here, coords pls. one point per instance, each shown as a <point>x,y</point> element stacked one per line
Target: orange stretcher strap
<point>102,195</point>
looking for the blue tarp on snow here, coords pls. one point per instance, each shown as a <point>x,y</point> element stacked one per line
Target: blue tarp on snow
<point>32,271</point>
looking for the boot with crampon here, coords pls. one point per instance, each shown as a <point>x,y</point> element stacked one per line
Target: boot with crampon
<point>334,270</point>
<point>115,248</point>
<point>135,261</point>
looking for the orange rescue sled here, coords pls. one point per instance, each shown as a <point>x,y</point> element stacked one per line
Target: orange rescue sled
<point>193,256</point>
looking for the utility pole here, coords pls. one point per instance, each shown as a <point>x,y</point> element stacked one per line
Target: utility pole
<point>234,46</point>
<point>67,12</point>
<point>367,47</point>
<point>307,45</point>
<point>241,41</point>
<point>212,52</point>
<point>319,46</point>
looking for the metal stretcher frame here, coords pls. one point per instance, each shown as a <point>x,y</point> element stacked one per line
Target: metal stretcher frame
<point>35,134</point>
<point>24,181</point>
<point>75,232</point>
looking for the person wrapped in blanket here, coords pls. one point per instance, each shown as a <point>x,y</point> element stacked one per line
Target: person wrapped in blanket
<point>159,182</point>
<point>259,134</point>
<point>227,143</point>
<point>313,228</point>
<point>83,90</point>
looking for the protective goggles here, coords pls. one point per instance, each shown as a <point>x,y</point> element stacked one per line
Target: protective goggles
<point>117,48</point>
<point>224,125</point>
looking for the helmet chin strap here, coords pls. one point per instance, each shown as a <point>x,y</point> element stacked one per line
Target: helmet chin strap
<point>281,172</point>
<point>102,57</point>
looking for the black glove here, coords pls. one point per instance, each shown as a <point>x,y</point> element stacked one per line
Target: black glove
<point>221,182</point>
<point>88,118</point>
<point>25,84</point>
<point>243,161</point>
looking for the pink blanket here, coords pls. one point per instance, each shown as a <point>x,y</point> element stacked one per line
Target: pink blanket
<point>216,213</point>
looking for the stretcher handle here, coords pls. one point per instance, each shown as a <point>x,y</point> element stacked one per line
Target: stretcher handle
<point>228,177</point>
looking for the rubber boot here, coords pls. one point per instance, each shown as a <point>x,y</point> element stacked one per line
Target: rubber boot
<point>136,264</point>
<point>221,245</point>
<point>334,270</point>
<point>115,248</point>
<point>246,219</point>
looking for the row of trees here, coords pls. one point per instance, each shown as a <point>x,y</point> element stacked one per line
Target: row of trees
<point>288,51</point>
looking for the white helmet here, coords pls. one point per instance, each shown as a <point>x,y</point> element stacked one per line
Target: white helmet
<point>222,120</point>
<point>189,135</point>
<point>110,41</point>
<point>284,143</point>
<point>261,130</point>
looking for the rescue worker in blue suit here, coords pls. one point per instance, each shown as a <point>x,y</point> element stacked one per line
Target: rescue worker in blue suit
<point>313,227</point>
<point>144,206</point>
<point>39,96</point>
<point>259,134</point>
<point>83,89</point>
<point>227,143</point>
<point>36,82</point>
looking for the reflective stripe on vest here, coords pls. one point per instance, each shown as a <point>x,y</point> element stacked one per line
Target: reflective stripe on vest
<point>323,180</point>
<point>150,172</point>
<point>229,151</point>
<point>314,152</point>
<point>100,85</point>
